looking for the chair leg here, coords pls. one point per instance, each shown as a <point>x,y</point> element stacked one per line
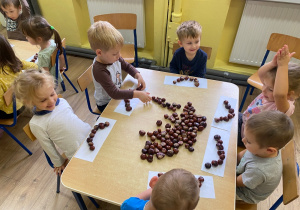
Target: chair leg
<point>63,85</point>
<point>244,98</point>
<point>14,138</point>
<point>58,184</point>
<point>79,200</point>
<point>70,82</point>
<point>277,203</point>
<point>251,92</point>
<point>94,202</point>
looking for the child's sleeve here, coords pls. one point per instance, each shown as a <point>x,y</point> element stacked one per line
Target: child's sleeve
<point>174,64</point>
<point>253,177</point>
<point>130,69</point>
<point>133,203</point>
<point>28,65</point>
<point>25,10</point>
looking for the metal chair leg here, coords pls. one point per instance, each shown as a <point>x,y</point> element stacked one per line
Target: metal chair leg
<point>58,184</point>
<point>244,98</point>
<point>70,82</point>
<point>252,89</point>
<point>94,202</point>
<point>79,200</point>
<point>14,138</point>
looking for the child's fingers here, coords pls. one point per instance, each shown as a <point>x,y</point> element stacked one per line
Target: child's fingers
<point>292,54</point>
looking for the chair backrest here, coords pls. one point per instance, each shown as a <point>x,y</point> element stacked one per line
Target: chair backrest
<point>205,49</point>
<point>85,78</point>
<point>8,96</point>
<point>119,20</point>
<point>290,173</point>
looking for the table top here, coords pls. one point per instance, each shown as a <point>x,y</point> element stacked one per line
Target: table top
<point>23,49</point>
<point>118,173</point>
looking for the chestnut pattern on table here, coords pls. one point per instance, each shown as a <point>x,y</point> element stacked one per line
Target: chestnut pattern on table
<point>90,139</point>
<point>34,58</point>
<point>220,153</point>
<point>230,114</point>
<point>195,80</point>
<point>184,131</point>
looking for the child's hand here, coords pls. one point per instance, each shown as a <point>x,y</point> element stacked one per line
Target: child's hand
<point>153,181</point>
<point>141,82</point>
<point>58,170</point>
<point>284,56</point>
<point>143,96</point>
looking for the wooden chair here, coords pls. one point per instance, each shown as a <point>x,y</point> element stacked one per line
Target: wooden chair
<point>205,49</point>
<point>84,80</point>
<point>55,58</point>
<point>276,41</point>
<point>10,98</point>
<point>125,21</point>
<point>290,182</point>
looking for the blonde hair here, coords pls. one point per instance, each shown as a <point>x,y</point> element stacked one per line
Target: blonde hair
<point>177,189</point>
<point>271,128</point>
<point>189,28</point>
<point>28,82</point>
<point>102,35</point>
<point>293,76</point>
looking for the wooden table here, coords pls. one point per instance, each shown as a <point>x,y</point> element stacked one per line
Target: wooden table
<point>118,173</point>
<point>23,49</point>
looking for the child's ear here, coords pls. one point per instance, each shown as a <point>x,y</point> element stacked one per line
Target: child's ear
<point>98,52</point>
<point>39,39</point>
<point>272,150</point>
<point>179,42</point>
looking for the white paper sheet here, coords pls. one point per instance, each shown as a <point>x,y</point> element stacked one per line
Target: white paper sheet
<point>222,111</point>
<point>84,151</point>
<point>211,151</point>
<point>207,189</point>
<point>122,109</point>
<point>185,83</point>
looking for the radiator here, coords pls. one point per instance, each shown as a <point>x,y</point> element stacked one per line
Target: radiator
<point>259,20</point>
<point>99,7</point>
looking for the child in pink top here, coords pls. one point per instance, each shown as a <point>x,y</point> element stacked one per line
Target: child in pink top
<point>281,87</point>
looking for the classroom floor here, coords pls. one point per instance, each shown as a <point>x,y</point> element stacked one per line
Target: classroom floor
<point>28,182</point>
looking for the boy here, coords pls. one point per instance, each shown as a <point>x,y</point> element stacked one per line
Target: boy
<point>14,12</point>
<point>259,165</point>
<point>107,42</point>
<point>189,59</point>
<point>177,189</point>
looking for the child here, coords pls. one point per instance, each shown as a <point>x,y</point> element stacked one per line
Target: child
<point>10,68</point>
<point>177,189</point>
<point>53,123</point>
<point>281,87</point>
<point>39,32</point>
<point>107,42</point>
<point>15,11</point>
<point>189,59</point>
<point>259,165</point>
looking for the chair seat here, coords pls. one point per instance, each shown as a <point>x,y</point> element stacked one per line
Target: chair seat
<point>254,81</point>
<point>96,110</point>
<point>127,52</point>
<point>241,205</point>
<point>7,121</point>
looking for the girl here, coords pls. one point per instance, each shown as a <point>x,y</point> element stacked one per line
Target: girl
<point>14,11</point>
<point>54,122</point>
<point>39,32</point>
<point>281,87</point>
<point>10,67</point>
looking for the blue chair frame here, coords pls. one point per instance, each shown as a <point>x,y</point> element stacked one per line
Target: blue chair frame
<point>2,126</point>
<point>57,72</point>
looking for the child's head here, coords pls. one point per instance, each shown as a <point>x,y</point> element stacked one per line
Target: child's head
<point>177,189</point>
<point>106,41</point>
<point>36,88</point>
<point>38,30</point>
<point>8,57</point>
<point>189,35</point>
<point>267,131</point>
<point>294,82</point>
<point>12,8</point>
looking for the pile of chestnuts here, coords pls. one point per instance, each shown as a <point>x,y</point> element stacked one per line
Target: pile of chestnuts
<point>90,139</point>
<point>182,78</point>
<point>230,113</point>
<point>183,132</point>
<point>220,153</point>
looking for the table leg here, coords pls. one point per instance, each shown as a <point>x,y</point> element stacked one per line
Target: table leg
<point>79,200</point>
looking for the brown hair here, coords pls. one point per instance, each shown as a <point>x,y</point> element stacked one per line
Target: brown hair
<point>5,3</point>
<point>189,28</point>
<point>102,35</point>
<point>271,128</point>
<point>26,84</point>
<point>8,56</point>
<point>37,26</point>
<point>177,189</point>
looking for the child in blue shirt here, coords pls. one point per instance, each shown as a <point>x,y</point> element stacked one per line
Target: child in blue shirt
<point>189,59</point>
<point>165,191</point>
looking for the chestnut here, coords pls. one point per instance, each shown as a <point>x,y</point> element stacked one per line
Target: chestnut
<point>231,110</point>
<point>186,146</point>
<point>220,152</point>
<point>217,137</point>
<point>225,102</point>
<point>186,78</point>
<point>220,147</point>
<point>200,128</point>
<point>220,161</point>
<point>214,163</point>
<point>178,79</point>
<point>164,150</point>
<point>189,103</point>
<point>101,126</point>
<point>96,127</point>
<point>92,148</point>
<point>92,135</point>
<point>128,109</point>
<point>147,147</point>
<point>167,125</point>
<point>230,116</point>
<point>152,138</point>
<point>90,143</point>
<point>160,174</point>
<point>142,133</point>
<point>226,119</point>
<point>220,141</point>
<point>151,151</point>
<point>196,84</point>
<point>200,179</point>
<point>127,100</point>
<point>227,106</point>
<point>222,156</point>
<point>155,133</point>
<point>149,159</point>
<point>217,120</point>
<point>175,150</point>
<point>106,124</point>
<point>170,153</point>
<point>143,156</point>
<point>153,98</point>
<point>163,99</point>
<point>181,78</point>
<point>191,79</point>
<point>148,143</point>
<point>160,155</point>
<point>191,149</point>
<point>149,134</point>
<point>207,165</point>
<point>89,139</point>
<point>168,147</point>
<point>144,151</point>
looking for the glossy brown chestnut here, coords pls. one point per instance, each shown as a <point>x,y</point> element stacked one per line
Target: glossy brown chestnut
<point>217,137</point>
<point>163,144</point>
<point>152,138</point>
<point>170,153</point>
<point>92,135</point>
<point>222,157</point>
<point>144,151</point>
<point>90,143</point>
<point>160,155</point>
<point>208,165</point>
<point>106,124</point>
<point>89,139</point>
<point>220,161</point>
<point>225,102</point>
<point>101,126</point>
<point>191,149</point>
<point>128,109</point>
<point>149,134</point>
<point>143,156</point>
<point>227,106</point>
<point>214,163</point>
<point>200,179</point>
<point>196,84</point>
<point>92,148</point>
<point>231,111</point>
<point>142,133</point>
<point>175,150</point>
